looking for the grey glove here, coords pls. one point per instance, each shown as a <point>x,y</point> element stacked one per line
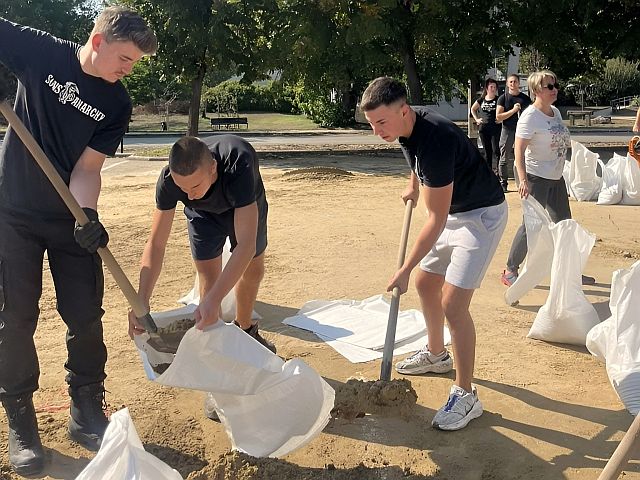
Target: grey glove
<point>92,235</point>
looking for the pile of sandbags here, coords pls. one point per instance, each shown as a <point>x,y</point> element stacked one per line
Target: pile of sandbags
<point>618,181</point>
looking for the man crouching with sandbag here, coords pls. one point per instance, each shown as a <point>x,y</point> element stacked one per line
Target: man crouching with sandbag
<point>219,183</point>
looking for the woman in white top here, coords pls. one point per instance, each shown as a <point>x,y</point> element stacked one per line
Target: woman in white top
<point>541,145</point>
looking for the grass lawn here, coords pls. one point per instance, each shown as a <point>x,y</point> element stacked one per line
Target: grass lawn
<point>257,122</point>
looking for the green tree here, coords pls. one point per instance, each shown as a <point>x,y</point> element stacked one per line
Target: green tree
<point>619,78</point>
<point>336,46</point>
<point>572,35</point>
<point>68,19</point>
<point>198,36</point>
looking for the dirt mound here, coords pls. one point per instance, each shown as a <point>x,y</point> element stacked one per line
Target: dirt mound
<point>357,397</point>
<point>317,173</point>
<point>239,466</point>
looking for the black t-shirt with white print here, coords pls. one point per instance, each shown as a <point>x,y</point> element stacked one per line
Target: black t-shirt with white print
<point>507,101</point>
<point>439,153</point>
<point>238,184</point>
<point>487,112</point>
<point>65,109</point>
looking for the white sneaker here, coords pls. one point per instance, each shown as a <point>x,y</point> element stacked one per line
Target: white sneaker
<point>423,361</point>
<point>460,409</point>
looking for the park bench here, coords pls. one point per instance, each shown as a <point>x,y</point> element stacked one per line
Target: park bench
<point>584,115</point>
<point>218,123</point>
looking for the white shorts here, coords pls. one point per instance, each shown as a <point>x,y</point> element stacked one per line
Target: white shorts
<point>466,246</point>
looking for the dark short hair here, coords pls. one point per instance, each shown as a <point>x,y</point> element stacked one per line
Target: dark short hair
<point>121,24</point>
<point>514,75</point>
<point>187,155</point>
<point>382,91</point>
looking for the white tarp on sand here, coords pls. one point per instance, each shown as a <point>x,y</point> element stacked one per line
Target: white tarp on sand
<point>357,329</point>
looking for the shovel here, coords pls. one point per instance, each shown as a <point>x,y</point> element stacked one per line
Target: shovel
<point>40,157</point>
<point>390,338</point>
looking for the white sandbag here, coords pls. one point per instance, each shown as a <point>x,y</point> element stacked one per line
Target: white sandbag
<point>269,407</point>
<point>567,316</point>
<point>228,304</point>
<point>611,189</point>
<point>537,265</point>
<point>616,341</point>
<point>584,180</point>
<point>122,456</point>
<point>631,182</point>
<point>566,174</point>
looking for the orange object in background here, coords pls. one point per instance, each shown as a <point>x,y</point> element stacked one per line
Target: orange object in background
<point>634,148</point>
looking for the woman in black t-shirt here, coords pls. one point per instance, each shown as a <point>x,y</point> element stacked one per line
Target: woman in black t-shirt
<point>483,111</point>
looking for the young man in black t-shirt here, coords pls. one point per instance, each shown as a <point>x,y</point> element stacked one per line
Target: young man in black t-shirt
<point>70,99</point>
<point>467,214</point>
<point>510,104</point>
<point>219,183</point>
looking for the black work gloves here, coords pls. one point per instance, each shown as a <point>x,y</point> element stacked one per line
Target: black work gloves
<point>91,235</point>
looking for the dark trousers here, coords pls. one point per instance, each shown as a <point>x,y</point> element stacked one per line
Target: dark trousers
<point>552,195</point>
<point>491,143</point>
<point>79,285</point>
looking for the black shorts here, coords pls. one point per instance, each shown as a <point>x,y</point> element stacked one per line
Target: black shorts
<point>208,232</point>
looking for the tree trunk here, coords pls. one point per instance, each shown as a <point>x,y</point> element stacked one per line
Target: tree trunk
<point>194,105</point>
<point>349,100</point>
<point>411,69</point>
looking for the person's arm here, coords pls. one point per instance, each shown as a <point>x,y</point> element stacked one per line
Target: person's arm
<point>438,202</point>
<point>85,180</point>
<point>245,221</point>
<point>519,148</point>
<point>412,192</point>
<point>502,115</point>
<point>474,112</point>
<point>84,185</point>
<point>636,125</point>
<point>151,262</point>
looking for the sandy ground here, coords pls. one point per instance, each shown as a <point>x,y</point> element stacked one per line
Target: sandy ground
<point>550,411</point>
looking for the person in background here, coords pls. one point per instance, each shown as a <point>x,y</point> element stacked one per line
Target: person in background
<point>636,125</point>
<point>541,145</point>
<point>510,106</point>
<point>483,111</point>
<point>71,100</point>
<point>466,216</point>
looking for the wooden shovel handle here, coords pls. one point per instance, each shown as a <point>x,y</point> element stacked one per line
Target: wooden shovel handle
<point>63,190</point>
<point>394,307</point>
<point>620,457</point>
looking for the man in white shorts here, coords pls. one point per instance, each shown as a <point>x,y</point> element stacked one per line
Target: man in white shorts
<point>466,215</point>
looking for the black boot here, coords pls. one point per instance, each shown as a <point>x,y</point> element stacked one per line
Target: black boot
<point>253,331</point>
<point>25,449</point>
<point>88,420</point>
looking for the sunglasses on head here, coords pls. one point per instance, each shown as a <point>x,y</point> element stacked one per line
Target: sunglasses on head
<point>551,86</point>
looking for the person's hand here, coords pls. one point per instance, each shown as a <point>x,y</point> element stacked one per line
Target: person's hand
<point>135,328</point>
<point>523,189</point>
<point>92,235</point>
<point>401,280</point>
<point>207,313</point>
<point>479,121</point>
<point>410,193</point>
<point>636,127</point>
<point>517,107</point>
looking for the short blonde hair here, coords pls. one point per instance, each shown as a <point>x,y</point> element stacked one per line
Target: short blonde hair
<point>122,24</point>
<point>535,81</point>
